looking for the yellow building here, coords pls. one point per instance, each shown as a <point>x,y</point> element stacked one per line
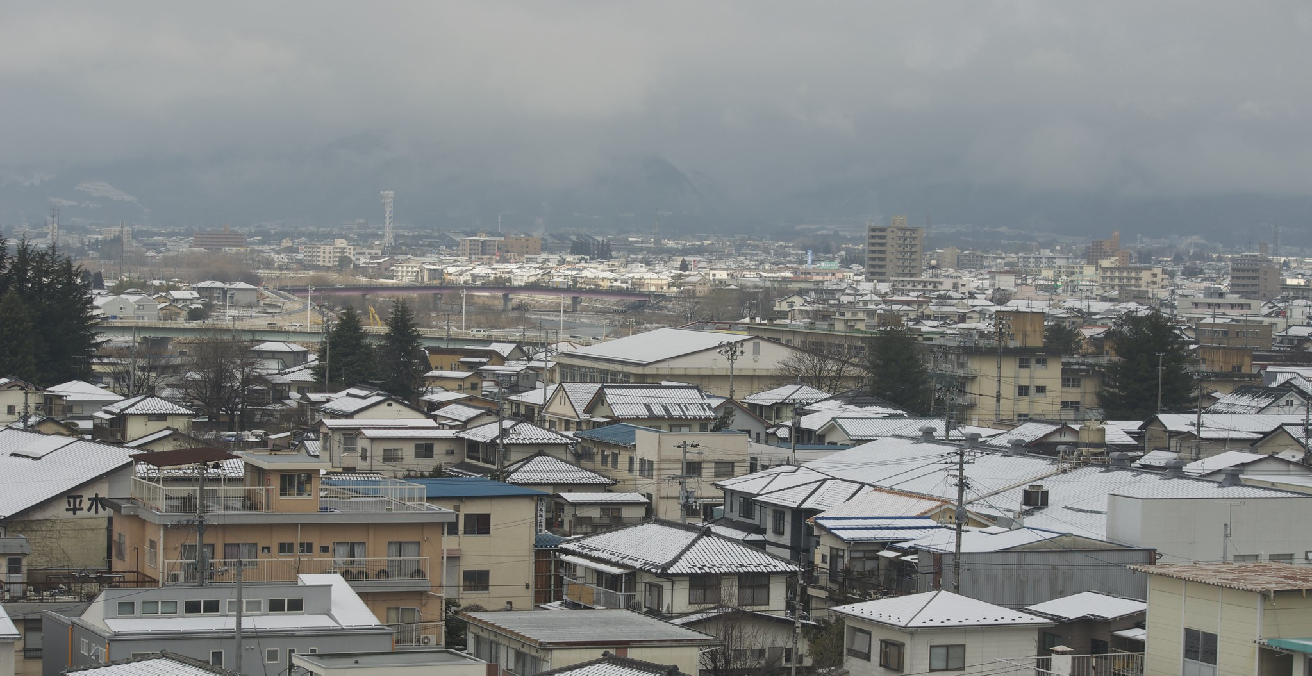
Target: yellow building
<point>1210,619</point>
<point>274,516</point>
<point>133,418</point>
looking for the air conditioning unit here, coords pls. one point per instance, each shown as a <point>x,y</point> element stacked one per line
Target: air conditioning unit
<point>425,640</point>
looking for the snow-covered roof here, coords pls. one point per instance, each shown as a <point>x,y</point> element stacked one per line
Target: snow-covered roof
<point>423,433</point>
<point>878,529</point>
<point>350,405</point>
<point>637,402</point>
<point>586,498</point>
<point>937,609</point>
<point>1251,399</point>
<point>155,665</point>
<point>1088,605</point>
<point>1028,432</point>
<point>1229,459</point>
<point>279,346</point>
<point>146,404</point>
<point>655,346</point>
<point>787,394</point>
<point>79,390</point>
<point>444,396</point>
<point>515,432</point>
<point>377,423</point>
<point>675,549</point>
<point>39,467</point>
<point>542,469</point>
<point>460,412</point>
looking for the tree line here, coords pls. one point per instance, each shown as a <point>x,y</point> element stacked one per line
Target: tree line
<point>47,320</point>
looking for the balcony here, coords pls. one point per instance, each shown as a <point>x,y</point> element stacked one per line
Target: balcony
<point>335,495</point>
<point>1111,664</point>
<point>167,499</point>
<point>372,574</point>
<point>578,591</point>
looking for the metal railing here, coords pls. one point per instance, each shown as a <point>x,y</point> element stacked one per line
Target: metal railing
<point>399,571</point>
<point>1109,664</point>
<point>597,597</point>
<point>168,499</point>
<point>371,494</point>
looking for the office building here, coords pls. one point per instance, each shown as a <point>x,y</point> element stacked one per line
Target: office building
<point>894,250</point>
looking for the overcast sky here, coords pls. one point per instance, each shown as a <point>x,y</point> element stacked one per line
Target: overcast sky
<point>1136,98</point>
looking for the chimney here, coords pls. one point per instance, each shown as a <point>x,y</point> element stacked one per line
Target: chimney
<point>927,433</point>
<point>1230,476</point>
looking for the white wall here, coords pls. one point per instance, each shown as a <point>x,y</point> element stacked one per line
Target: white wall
<point>1192,529</point>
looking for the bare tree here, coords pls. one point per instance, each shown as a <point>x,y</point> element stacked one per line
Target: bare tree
<point>221,376</point>
<point>140,369</point>
<point>746,647</point>
<point>824,368</point>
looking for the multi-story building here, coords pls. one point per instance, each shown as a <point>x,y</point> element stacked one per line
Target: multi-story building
<point>1254,276</point>
<point>327,255</point>
<point>1116,279</point>
<point>217,240</point>
<point>894,250</point>
<point>520,247</point>
<point>480,248</point>
<point>275,516</point>
<point>1101,249</point>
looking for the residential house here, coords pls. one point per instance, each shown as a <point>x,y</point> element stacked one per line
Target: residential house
<point>426,662</point>
<point>282,517</point>
<point>359,403</point>
<point>1091,623</point>
<point>339,438</point>
<point>278,355</point>
<point>591,512</point>
<point>150,664</point>
<point>517,440</point>
<point>455,381</point>
<point>407,451</point>
<point>9,638</point>
<point>693,357</point>
<point>536,642</point>
<point>167,439</point>
<point>549,474</point>
<point>471,357</point>
<point>673,407</point>
<point>934,631</point>
<point>135,417</point>
<point>613,665</point>
<point>228,294</point>
<point>306,614</point>
<point>781,404</point>
<point>20,399</point>
<point>1211,619</point>
<point>77,399</point>
<point>1221,431</point>
<point>128,306</point>
<point>1262,400</point>
<point>462,416</point>
<point>489,548</point>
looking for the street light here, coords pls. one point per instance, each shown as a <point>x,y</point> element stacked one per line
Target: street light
<point>731,351</point>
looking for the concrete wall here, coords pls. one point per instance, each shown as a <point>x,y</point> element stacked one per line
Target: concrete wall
<point>507,554</point>
<point>70,530</point>
<point>1232,615</point>
<point>1185,530</point>
<point>984,645</point>
<point>1023,578</point>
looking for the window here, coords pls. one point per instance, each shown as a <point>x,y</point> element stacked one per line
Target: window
<point>292,605</point>
<point>1070,382</point>
<point>271,655</point>
<point>156,417</point>
<point>348,553</point>
<point>1199,653</point>
<point>631,459</point>
<point>247,552</point>
<point>1071,405</point>
<point>201,607</point>
<point>703,427</point>
<point>127,607</point>
<point>1040,390</point>
<point>652,595</point>
<point>392,455</point>
<point>692,469</point>
<point>216,658</point>
<point>723,470</point>
<point>754,589</point>
<point>159,607</point>
<point>746,508</point>
<point>286,548</point>
<point>294,485</point>
<point>858,643</point>
<point>1040,362</point>
<point>1022,390</point>
<point>121,547</point>
<point>890,655</point>
<point>1281,558</point>
<point>1049,641</point>
<point>1023,362</point>
<point>249,606</point>
<point>478,524</point>
<point>947,657</point>
<point>14,564</point>
<point>612,512</point>
<point>476,580</point>
<point>780,518</point>
<point>1245,558</point>
<point>306,548</point>
<point>152,553</point>
<point>703,589</point>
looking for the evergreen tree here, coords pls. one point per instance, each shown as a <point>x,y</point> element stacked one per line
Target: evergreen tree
<point>18,358</point>
<point>347,358</point>
<point>896,371</point>
<point>402,354</point>
<point>683,265</point>
<point>1141,343</point>
<point>97,280</point>
<point>1062,338</point>
<point>59,308</point>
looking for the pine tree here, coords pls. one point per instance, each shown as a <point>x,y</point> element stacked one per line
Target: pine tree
<point>348,358</point>
<point>896,372</point>
<point>97,280</point>
<point>18,358</point>
<point>59,308</point>
<point>402,354</point>
<point>1141,343</point>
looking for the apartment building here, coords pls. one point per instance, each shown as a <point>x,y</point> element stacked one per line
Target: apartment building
<point>327,255</point>
<point>894,250</point>
<point>1254,276</point>
<point>218,240</point>
<point>274,515</point>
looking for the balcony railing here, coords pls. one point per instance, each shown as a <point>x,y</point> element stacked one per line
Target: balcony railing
<point>403,571</point>
<point>1109,664</point>
<point>597,597</point>
<point>182,499</point>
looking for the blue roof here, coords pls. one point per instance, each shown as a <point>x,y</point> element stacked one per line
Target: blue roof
<point>547,541</point>
<point>472,487</point>
<point>620,434</point>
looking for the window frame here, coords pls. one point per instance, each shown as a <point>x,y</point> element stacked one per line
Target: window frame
<point>754,589</point>
<point>475,586</point>
<point>889,648</point>
<point>482,522</point>
<point>705,589</point>
<point>849,648</point>
<point>949,651</point>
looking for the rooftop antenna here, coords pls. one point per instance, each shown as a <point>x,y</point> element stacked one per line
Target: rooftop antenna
<point>54,226</point>
<point>1275,240</point>
<point>389,240</point>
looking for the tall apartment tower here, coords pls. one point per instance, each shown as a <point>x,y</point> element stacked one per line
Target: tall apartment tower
<point>894,250</point>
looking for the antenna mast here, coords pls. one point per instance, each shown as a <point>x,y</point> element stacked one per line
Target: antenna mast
<point>54,226</point>
<point>389,240</point>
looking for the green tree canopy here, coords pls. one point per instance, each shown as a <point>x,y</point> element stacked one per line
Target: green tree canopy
<point>348,357</point>
<point>18,340</point>
<point>402,354</point>
<point>896,371</point>
<point>1140,344</point>
<point>1062,338</point>
<point>59,307</point>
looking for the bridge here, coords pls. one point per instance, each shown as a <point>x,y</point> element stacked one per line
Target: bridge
<point>575,295</point>
<point>261,331</point>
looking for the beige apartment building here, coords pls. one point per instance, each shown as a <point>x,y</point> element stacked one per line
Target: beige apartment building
<point>894,250</point>
<point>1254,276</point>
<point>275,516</point>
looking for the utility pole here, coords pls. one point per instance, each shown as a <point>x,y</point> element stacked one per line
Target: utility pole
<point>797,624</point>
<point>500,449</point>
<point>997,397</point>
<point>960,517</point>
<point>202,561</point>
<point>1159,383</point>
<point>308,293</point>
<point>731,352</point>
<point>237,661</point>
<point>684,498</point>
<point>792,436</point>
<point>462,308</point>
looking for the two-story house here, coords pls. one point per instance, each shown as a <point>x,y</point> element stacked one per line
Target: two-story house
<point>135,417</point>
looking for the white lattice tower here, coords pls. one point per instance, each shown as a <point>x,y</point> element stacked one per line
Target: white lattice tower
<point>389,240</point>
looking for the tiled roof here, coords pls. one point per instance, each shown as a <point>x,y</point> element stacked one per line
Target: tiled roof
<point>79,390</point>
<point>515,432</point>
<point>610,665</point>
<point>377,423</point>
<point>578,627</point>
<point>675,549</point>
<point>349,405</point>
<point>278,346</point>
<point>443,396</point>
<point>878,529</point>
<point>600,498</point>
<point>541,469</point>
<point>146,404</point>
<point>619,434</point>
<point>1249,399</point>
<point>579,394</point>
<point>153,437</point>
<point>1028,432</point>
<point>39,467</point>
<point>460,412</point>
<point>787,394</point>
<point>937,609</point>
<point>155,664</point>
<point>639,402</point>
